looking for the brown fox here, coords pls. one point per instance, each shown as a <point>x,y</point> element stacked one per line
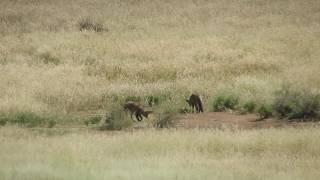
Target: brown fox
<point>195,102</point>
<point>134,108</point>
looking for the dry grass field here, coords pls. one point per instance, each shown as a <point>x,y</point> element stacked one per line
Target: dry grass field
<point>63,61</point>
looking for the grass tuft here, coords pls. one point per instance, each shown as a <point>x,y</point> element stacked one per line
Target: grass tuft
<point>93,120</point>
<point>90,24</point>
<point>48,58</point>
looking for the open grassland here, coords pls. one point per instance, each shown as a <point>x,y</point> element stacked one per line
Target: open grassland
<point>62,62</point>
<point>287,154</point>
<point>163,48</point>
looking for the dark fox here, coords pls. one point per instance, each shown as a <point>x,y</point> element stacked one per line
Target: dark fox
<point>136,109</point>
<point>195,102</point>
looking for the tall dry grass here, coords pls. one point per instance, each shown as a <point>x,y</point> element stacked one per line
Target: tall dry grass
<point>169,48</point>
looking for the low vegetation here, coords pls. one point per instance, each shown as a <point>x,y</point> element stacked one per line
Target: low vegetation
<point>289,102</point>
<point>225,102</point>
<point>94,120</point>
<point>116,119</point>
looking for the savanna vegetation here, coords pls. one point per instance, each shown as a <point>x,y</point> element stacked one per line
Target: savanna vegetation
<point>72,63</point>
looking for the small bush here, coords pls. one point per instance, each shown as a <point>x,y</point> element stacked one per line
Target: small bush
<point>28,119</point>
<point>224,102</point>
<point>93,120</point>
<point>265,111</point>
<point>117,119</point>
<point>165,120</point>
<point>165,115</point>
<point>248,107</point>
<point>90,25</point>
<point>296,104</point>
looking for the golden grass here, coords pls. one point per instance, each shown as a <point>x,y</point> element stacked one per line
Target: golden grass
<point>153,47</point>
<point>166,154</point>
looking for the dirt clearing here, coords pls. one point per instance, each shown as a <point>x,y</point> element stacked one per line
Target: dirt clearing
<point>222,120</point>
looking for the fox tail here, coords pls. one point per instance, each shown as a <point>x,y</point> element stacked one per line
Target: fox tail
<point>146,113</point>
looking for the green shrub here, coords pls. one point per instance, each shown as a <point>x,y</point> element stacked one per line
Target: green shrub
<point>296,104</point>
<point>248,107</point>
<point>265,111</point>
<point>224,102</point>
<point>117,119</point>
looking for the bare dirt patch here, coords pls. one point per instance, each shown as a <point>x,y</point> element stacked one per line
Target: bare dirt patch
<point>222,120</point>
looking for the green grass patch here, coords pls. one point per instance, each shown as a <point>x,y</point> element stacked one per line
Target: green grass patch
<point>27,119</point>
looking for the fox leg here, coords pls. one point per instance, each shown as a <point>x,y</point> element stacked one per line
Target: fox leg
<point>138,117</point>
<point>199,108</point>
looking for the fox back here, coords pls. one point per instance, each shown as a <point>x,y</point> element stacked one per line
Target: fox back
<point>136,109</point>
<point>131,106</point>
